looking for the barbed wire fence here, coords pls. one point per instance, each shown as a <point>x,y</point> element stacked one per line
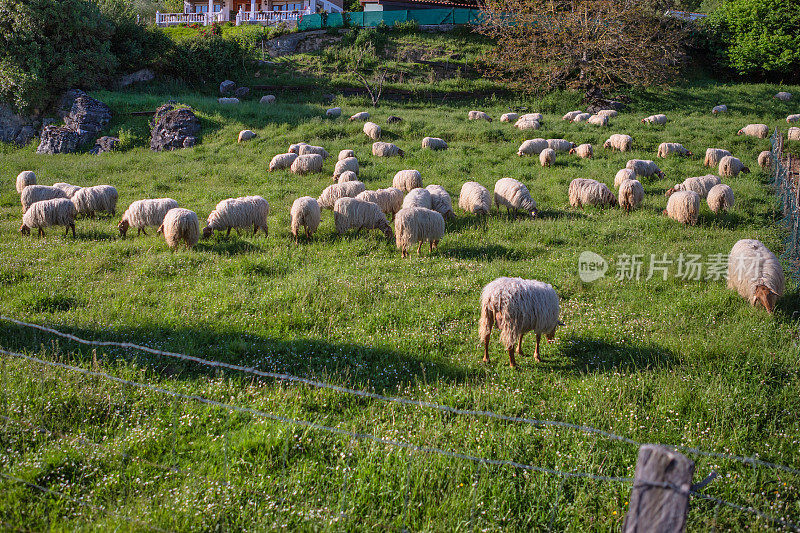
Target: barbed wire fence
<point>480,462</point>
<point>786,168</point>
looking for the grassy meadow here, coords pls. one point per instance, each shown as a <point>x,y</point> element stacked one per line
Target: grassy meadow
<point>674,361</point>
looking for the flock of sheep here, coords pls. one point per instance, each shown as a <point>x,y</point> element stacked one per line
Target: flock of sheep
<point>418,214</point>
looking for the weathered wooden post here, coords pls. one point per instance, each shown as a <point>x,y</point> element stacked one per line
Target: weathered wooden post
<point>660,494</point>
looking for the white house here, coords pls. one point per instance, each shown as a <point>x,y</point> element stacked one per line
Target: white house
<point>246,11</point>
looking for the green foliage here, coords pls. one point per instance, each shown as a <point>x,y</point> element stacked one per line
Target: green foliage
<point>406,25</point>
<point>133,44</point>
<point>203,57</point>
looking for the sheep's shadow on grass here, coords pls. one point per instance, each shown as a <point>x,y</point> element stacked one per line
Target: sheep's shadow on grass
<point>586,356</point>
<point>555,214</point>
<point>233,245</point>
<point>724,220</point>
<point>92,234</point>
<point>461,223</point>
<point>789,305</point>
<point>483,253</point>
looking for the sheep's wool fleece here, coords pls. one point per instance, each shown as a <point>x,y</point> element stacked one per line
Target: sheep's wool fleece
<point>242,212</point>
<point>479,115</point>
<point>589,192</point>
<point>547,157</point>
<point>793,134</point>
<point>765,159</point>
<point>282,161</point>
<point>434,143</point>
<point>363,115</point>
<point>382,149</point>
<point>25,178</point>
<point>524,123</point>
<point>720,198</point>
<point>343,165</point>
<point>68,189</point>
<point>518,306</point>
<point>684,206</point>
<point>509,117</point>
<point>348,189</point>
<point>656,119</point>
<point>390,200</point>
<point>622,175</point>
<point>598,120</point>
<point>306,149</point>
<point>181,226</point>
<point>305,164</point>
<point>584,151</point>
<point>631,194</point>
<point>571,115</point>
<point>714,155</point>
<point>37,193</point>
<point>350,213</point>
<point>344,154</point>
<point>699,184</point>
<point>372,130</point>
<point>418,198</point>
<point>760,131</point>
<point>305,213</point>
<point>406,180</point>
<point>346,176</point>
<point>100,198</point>
<point>560,145</point>
<point>475,198</point>
<point>440,200</point>
<point>730,166</point>
<point>619,141</point>
<point>643,167</point>
<point>532,147</point>
<point>513,194</point>
<point>55,212</point>
<point>417,224</point>
<point>144,213</point>
<point>750,264</point>
<point>665,149</point>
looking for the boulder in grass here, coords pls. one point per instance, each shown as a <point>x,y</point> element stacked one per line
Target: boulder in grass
<point>173,128</point>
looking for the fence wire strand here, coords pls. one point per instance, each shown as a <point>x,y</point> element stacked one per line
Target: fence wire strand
<point>787,189</point>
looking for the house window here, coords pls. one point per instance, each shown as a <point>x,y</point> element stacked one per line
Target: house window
<point>203,8</point>
<point>296,6</point>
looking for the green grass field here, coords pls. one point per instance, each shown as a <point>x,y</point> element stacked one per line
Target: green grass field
<point>672,361</point>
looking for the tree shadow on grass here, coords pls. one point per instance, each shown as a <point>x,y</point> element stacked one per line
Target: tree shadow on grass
<point>586,356</point>
<point>483,253</point>
<point>233,245</point>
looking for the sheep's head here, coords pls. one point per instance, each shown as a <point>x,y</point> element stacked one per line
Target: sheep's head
<point>740,132</point>
<point>489,119</point>
<point>690,154</point>
<point>207,232</point>
<point>550,335</point>
<point>660,174</point>
<point>572,150</point>
<point>25,230</point>
<point>400,152</point>
<point>746,170</point>
<point>387,232</point>
<point>123,227</point>
<point>607,144</point>
<point>766,297</point>
<point>160,229</point>
<point>534,213</point>
<point>672,191</point>
<point>644,120</point>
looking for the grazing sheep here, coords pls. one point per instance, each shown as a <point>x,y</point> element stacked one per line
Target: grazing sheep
<point>631,195</point>
<point>372,130</point>
<point>238,213</point>
<point>68,189</point>
<point>532,147</point>
<point>538,117</point>
<point>348,189</point>
<point>683,206</point>
<point>584,151</point>
<point>434,143</point>
<point>97,199</point>
<point>560,145</point>
<point>792,118</point>
<point>569,117</point>
<point>295,148</point>
<point>282,161</point>
<point>343,165</point>
<point>719,109</point>
<point>334,112</point>
<point>720,198</point>
<point>793,134</point>
<point>514,195</point>
<point>180,226</point>
<point>665,149</point>
<point>755,273</point>
<point>347,175</point>
<point>784,96</point>
<point>25,178</point>
<point>344,154</point>
<point>644,167</point>
<point>582,117</point>
<point>479,115</point>
<point>509,117</point>
<point>610,113</point>
<point>583,192</point>
<point>307,149</point>
<point>382,149</point>
<point>760,131</point>
<point>622,175</point>
<point>598,120</point>
<point>525,123</point>
<point>655,119</point>
<point>362,116</point>
<point>46,213</point>
<point>306,164</point>
<point>765,159</point>
<point>547,157</point>
<point>417,225</point>
<point>350,213</point>
<point>699,184</point>
<point>418,198</point>
<point>731,166</point>
<point>475,198</point>
<point>143,213</point>
<point>518,306</point>
<point>620,142</point>
<point>37,193</point>
<point>246,135</point>
<point>441,201</point>
<point>305,213</point>
<point>406,180</point>
<point>227,101</point>
<point>713,156</point>
<point>267,99</point>
<point>390,200</point>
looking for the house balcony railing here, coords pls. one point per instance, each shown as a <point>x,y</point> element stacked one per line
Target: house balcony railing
<point>240,17</point>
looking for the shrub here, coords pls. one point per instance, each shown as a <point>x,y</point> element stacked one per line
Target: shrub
<point>204,57</point>
<point>133,44</point>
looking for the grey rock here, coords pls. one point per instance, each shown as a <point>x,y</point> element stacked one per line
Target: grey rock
<point>140,76</point>
<point>267,99</point>
<point>104,144</point>
<point>25,135</point>
<point>241,92</point>
<point>173,128</point>
<point>58,140</point>
<point>15,128</point>
<point>226,87</point>
<point>84,114</point>
<point>393,120</point>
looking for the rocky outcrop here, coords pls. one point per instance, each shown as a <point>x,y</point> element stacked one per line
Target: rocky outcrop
<point>84,114</point>
<point>58,140</point>
<point>241,92</point>
<point>15,128</point>
<point>140,76</point>
<point>173,128</point>
<point>226,87</point>
<point>104,144</point>
<point>597,101</point>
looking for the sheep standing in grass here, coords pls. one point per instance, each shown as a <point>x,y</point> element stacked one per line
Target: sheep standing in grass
<point>547,157</point>
<point>46,213</point>
<point>683,206</point>
<point>306,164</point>
<point>610,113</point>
<point>755,273</point>
<point>793,134</point>
<point>305,213</point>
<point>731,166</point>
<point>25,178</point>
<point>784,96</point>
<point>765,159</point>
<point>441,201</point>
<point>390,200</point>
<point>418,198</point>
<point>514,195</point>
<point>720,198</point>
<point>145,213</point>
<point>518,306</point>
<point>434,143</point>
<point>479,115</point>
<point>98,199</point>
<point>622,175</point>
<point>347,175</point>
<point>406,180</point>
<point>68,189</point>
<point>37,193</point>
<point>760,131</point>
<point>631,195</point>
<point>475,198</point>
<point>372,130</point>
<point>584,151</point>
<point>583,192</point>
<point>343,165</point>
<point>719,109</point>
<point>713,156</point>
<point>792,118</point>
<point>527,123</point>
<point>598,120</point>
<point>417,225</point>
<point>307,149</point>
<point>581,117</point>
<point>238,213</point>
<point>295,148</point>
<point>699,184</point>
<point>180,226</point>
<point>382,149</point>
<point>655,119</point>
<point>644,167</point>
<point>334,112</point>
<point>350,213</point>
<point>349,189</point>
<point>362,116</point>
<point>344,154</point>
<point>569,117</point>
<point>509,117</point>
<point>282,161</point>
<point>246,135</point>
<point>665,149</point>
<point>532,147</point>
<point>560,145</point>
<point>619,141</point>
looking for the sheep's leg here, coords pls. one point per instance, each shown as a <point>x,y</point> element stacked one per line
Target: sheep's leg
<point>430,247</point>
<point>419,248</point>
<point>519,346</point>
<point>144,231</point>
<point>536,351</point>
<point>228,234</point>
<point>264,229</point>
<point>66,231</point>
<point>511,361</point>
<point>238,232</point>
<point>403,252</point>
<point>41,232</point>
<point>486,343</point>
<point>308,233</point>
<point>255,228</point>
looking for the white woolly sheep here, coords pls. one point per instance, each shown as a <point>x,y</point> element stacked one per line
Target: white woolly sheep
<point>305,213</point>
<point>719,109</point>
<point>622,175</point>
<point>699,184</point>
<point>760,131</point>
<point>382,149</point>
<point>475,198</point>
<point>362,116</point>
<point>238,213</point>
<point>720,198</point>
<point>307,149</point>
<point>372,130</point>
<point>68,189</point>
<point>142,214</point>
<point>518,306</point>
<point>784,96</point>
<point>434,143</point>
<point>306,164</point>
<point>246,135</point>
<point>37,193</point>
<point>25,178</point>
<point>581,117</point>
<point>598,120</point>
<point>344,154</point>
<point>620,142</point>
<point>348,189</point>
<point>417,225</point>
<point>524,123</point>
<point>547,157</point>
<point>713,156</point>
<point>683,206</point>
<point>267,99</point>
<point>418,198</point>
<point>631,195</point>
<point>509,117</point>
<point>610,113</point>
<point>347,175</point>
<point>792,118</point>
<point>406,180</point>
<point>655,119</point>
<point>644,167</point>
<point>514,195</point>
<point>98,199</point>
<point>538,117</point>
<point>350,213</point>
<point>560,145</point>
<point>390,200</point>
<point>731,166</point>
<point>793,134</point>
<point>755,273</point>
<point>532,147</point>
<point>765,159</point>
<point>295,148</point>
<point>665,149</point>
<point>583,192</point>
<point>441,201</point>
<point>228,101</point>
<point>334,112</point>
<point>180,226</point>
<point>479,115</point>
<point>282,161</point>
<point>343,165</point>
<point>46,213</point>
<point>584,151</point>
<point>569,117</point>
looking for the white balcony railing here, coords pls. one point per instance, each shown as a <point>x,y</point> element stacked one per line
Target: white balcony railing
<point>267,17</point>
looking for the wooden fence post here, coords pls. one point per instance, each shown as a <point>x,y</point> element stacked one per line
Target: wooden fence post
<point>654,508</point>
